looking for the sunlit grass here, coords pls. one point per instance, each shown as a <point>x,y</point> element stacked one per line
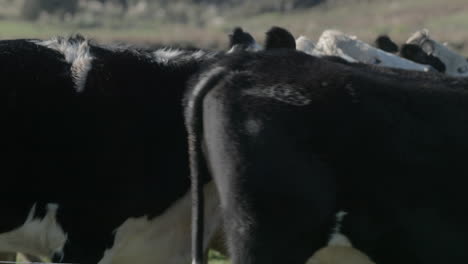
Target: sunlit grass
<point>216,258</point>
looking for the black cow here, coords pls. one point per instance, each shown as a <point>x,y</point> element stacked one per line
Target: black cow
<point>291,139</point>
<point>91,135</point>
<point>410,51</point>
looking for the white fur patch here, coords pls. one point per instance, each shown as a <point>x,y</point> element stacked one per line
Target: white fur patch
<point>39,237</point>
<point>305,45</point>
<point>166,55</point>
<point>199,54</point>
<point>339,249</point>
<point>339,255</point>
<point>336,238</point>
<point>77,53</point>
<point>254,47</point>
<point>176,56</point>
<point>166,238</point>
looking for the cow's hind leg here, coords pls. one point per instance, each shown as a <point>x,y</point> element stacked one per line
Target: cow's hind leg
<point>278,201</point>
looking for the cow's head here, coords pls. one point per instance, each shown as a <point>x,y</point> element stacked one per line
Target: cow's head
<point>455,64</point>
<point>417,54</point>
<point>241,40</point>
<point>279,38</point>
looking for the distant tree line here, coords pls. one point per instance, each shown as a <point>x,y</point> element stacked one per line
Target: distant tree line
<point>32,9</point>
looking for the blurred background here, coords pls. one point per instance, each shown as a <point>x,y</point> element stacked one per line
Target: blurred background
<point>205,23</point>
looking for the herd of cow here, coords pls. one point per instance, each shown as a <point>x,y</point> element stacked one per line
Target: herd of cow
<point>101,144</point>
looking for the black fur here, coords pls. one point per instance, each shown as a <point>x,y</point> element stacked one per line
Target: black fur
<point>113,151</point>
<point>279,38</point>
<point>417,54</point>
<point>384,43</point>
<point>291,139</point>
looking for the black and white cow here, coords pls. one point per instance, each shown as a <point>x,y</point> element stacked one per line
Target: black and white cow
<point>336,43</point>
<point>411,52</point>
<point>291,139</point>
<point>91,135</point>
<point>454,63</point>
<point>416,53</point>
<point>99,133</point>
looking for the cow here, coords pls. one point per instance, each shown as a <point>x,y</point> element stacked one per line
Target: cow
<point>333,42</point>
<point>290,139</point>
<point>416,53</point>
<point>97,133</point>
<point>455,64</point>
<point>106,108</point>
<point>410,52</point>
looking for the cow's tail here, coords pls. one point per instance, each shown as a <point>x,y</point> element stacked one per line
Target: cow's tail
<point>194,124</point>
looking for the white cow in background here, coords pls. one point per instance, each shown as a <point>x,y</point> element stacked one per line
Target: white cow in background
<point>455,64</point>
<point>336,43</point>
<point>308,46</point>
